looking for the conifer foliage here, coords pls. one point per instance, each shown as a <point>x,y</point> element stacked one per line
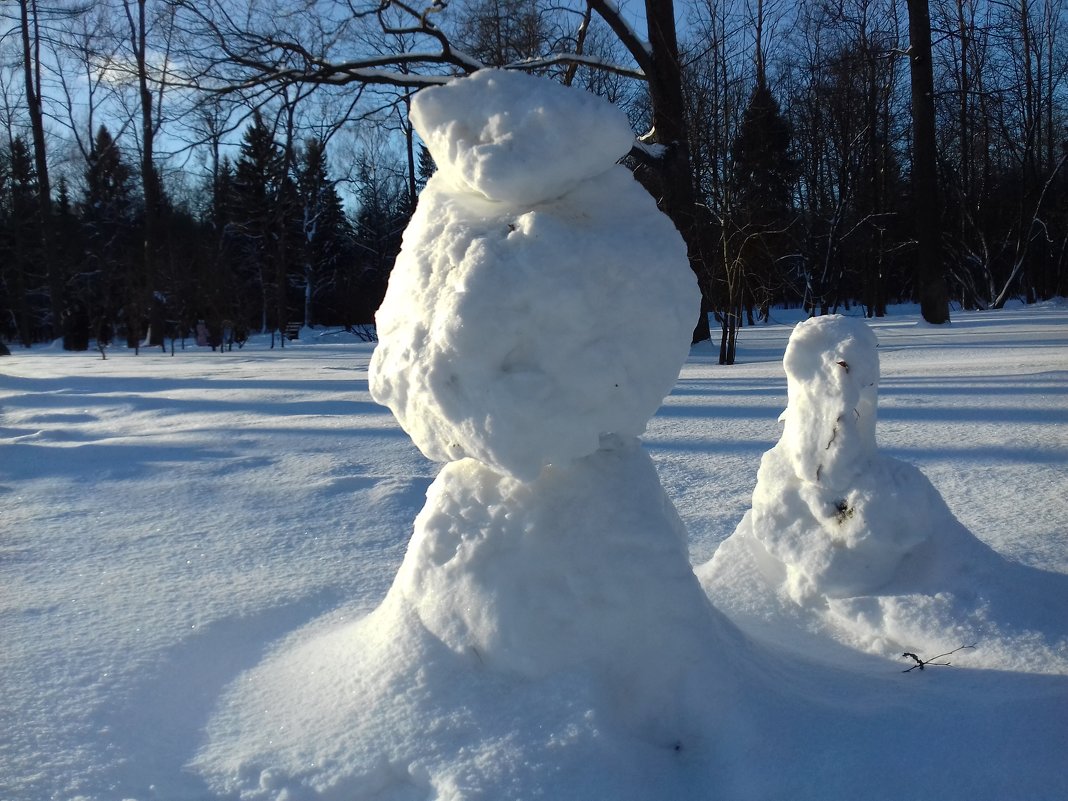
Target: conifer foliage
<point>270,246</point>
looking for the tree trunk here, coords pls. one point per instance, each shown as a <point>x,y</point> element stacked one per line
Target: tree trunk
<point>31,58</point>
<point>668,177</point>
<point>930,278</point>
<point>676,196</point>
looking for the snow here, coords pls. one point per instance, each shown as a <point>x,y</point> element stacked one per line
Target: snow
<point>862,545</point>
<point>173,527</point>
<point>517,139</point>
<point>502,328</point>
<point>213,587</point>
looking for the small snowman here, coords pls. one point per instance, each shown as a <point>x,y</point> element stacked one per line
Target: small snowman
<point>861,545</point>
<point>833,514</point>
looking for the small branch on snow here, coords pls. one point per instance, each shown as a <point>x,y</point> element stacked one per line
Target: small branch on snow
<point>922,663</point>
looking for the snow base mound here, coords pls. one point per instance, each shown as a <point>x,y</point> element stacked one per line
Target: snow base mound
<point>539,638</point>
<point>844,541</point>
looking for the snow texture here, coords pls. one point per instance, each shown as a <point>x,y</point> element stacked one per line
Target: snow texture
<point>190,545</point>
<point>547,634</point>
<point>516,139</point>
<point>863,542</point>
<point>503,333</point>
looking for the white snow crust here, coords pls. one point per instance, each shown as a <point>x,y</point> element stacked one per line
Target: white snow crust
<point>190,545</point>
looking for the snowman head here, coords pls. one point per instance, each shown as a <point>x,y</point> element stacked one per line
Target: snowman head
<point>517,139</point>
<point>832,379</point>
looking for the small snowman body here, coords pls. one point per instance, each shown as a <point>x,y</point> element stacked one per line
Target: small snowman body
<point>833,513</point>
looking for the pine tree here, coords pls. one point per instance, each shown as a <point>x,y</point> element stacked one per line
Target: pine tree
<point>326,232</point>
<point>112,293</point>
<point>753,240</point>
<point>764,171</point>
<point>264,204</point>
<point>25,287</point>
<point>380,220</point>
<point>69,254</point>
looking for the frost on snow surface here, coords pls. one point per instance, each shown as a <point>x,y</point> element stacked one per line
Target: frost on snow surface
<point>862,543</point>
<point>189,547</point>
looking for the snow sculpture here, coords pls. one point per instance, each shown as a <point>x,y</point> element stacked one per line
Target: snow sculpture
<point>860,544</point>
<point>546,630</point>
<point>527,258</point>
<point>500,341</point>
<point>826,506</point>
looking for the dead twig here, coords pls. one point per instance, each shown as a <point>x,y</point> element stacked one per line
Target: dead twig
<point>922,663</point>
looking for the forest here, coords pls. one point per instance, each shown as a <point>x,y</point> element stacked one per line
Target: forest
<point>169,165</point>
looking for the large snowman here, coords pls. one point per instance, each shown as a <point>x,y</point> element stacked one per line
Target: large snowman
<point>539,311</point>
<point>545,632</point>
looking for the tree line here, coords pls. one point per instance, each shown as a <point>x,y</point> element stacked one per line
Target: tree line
<point>268,246</point>
<point>165,161</point>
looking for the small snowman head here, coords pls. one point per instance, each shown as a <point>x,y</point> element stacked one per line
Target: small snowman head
<point>832,379</point>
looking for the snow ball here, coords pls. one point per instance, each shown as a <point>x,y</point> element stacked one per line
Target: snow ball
<point>586,565</point>
<point>521,337</point>
<point>832,376</point>
<point>518,139</point>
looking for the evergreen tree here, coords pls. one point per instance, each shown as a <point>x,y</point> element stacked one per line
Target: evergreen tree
<point>425,167</point>
<point>380,220</point>
<point>217,291</point>
<point>764,171</point>
<point>25,287</point>
<point>69,255</point>
<point>326,231</point>
<point>264,216</point>
<point>111,289</point>
<point>762,182</point>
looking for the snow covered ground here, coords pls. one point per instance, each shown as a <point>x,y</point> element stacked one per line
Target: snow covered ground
<point>171,527</point>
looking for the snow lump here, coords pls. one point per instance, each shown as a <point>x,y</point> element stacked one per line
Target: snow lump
<point>506,330</point>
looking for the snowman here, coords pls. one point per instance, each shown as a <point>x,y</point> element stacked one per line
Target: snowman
<point>862,545</point>
<point>539,311</point>
<point>545,631</point>
<point>831,517</point>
